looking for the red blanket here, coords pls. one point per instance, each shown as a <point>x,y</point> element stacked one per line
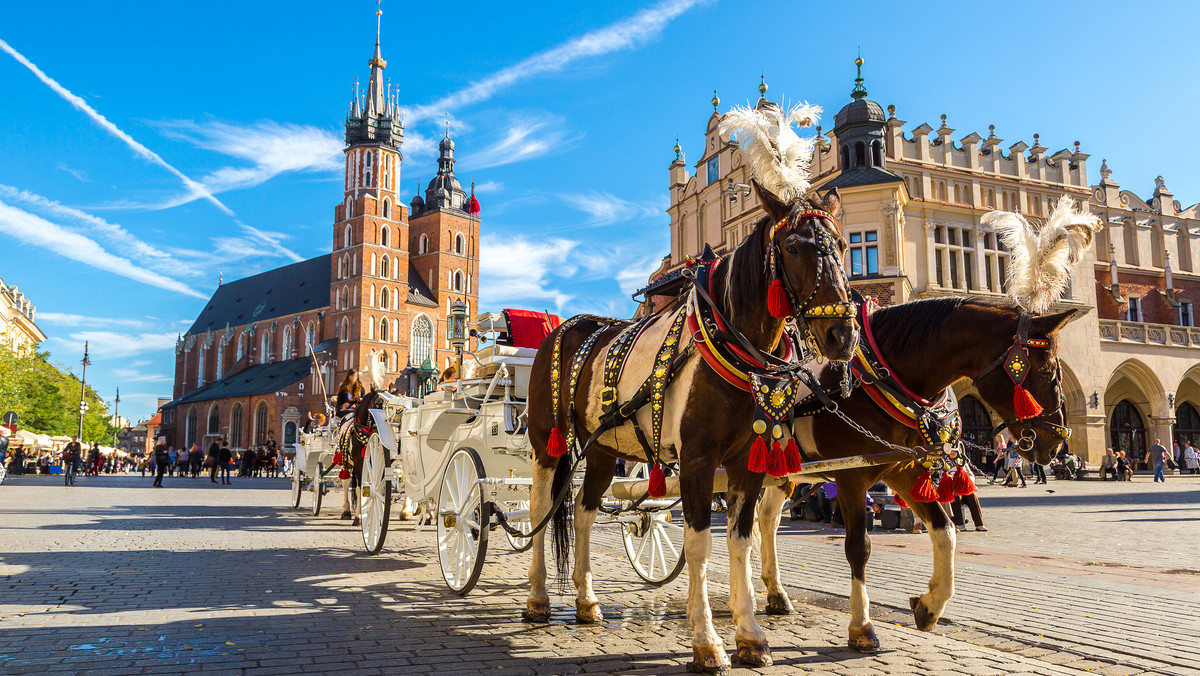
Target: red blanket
<point>527,328</point>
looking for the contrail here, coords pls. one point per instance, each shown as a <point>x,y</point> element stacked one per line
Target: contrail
<point>111,128</point>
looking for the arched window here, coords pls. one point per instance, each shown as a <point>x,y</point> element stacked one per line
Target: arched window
<point>264,348</point>
<point>370,158</point>
<point>214,419</point>
<point>460,243</point>
<point>347,236</point>
<point>845,157</point>
<point>241,348</point>
<point>876,154</point>
<point>976,426</point>
<point>942,190</point>
<point>1035,205</point>
<point>387,213</point>
<point>383,331</point>
<point>235,427</point>
<point>345,331</point>
<point>422,340</point>
<point>860,154</point>
<point>260,424</point>
<point>991,198</point>
<point>189,428</point>
<point>1187,425</point>
<point>220,360</point>
<point>384,267</point>
<point>458,281</point>
<point>346,212</point>
<point>285,350</point>
<point>383,361</point>
<point>384,299</point>
<point>383,232</point>
<point>957,194</point>
<point>200,366</point>
<point>1127,430</point>
<point>423,246</point>
<point>310,338</point>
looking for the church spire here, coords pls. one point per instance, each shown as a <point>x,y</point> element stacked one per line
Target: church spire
<point>376,102</point>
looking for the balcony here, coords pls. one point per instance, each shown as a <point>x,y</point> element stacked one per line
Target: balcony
<point>1166,335</point>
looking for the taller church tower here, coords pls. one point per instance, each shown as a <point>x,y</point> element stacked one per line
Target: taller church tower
<point>370,266</point>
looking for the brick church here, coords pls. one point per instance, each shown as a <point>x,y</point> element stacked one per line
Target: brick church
<point>245,372</point>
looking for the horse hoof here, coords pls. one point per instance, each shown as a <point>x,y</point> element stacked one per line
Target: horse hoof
<point>753,654</point>
<point>924,619</point>
<point>863,640</point>
<point>779,604</point>
<point>356,522</point>
<point>588,613</point>
<point>708,660</point>
<point>537,611</point>
<point>345,516</point>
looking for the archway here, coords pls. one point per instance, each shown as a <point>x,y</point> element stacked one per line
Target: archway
<point>976,427</point>
<point>1187,425</point>
<point>1127,431</point>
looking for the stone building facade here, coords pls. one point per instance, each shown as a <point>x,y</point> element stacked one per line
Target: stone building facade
<point>17,327</point>
<point>269,349</point>
<point>911,207</point>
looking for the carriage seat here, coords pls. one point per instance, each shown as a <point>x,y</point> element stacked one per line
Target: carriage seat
<point>518,359</point>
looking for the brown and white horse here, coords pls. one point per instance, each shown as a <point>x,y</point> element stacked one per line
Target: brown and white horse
<point>928,345</point>
<point>352,436</point>
<point>706,421</point>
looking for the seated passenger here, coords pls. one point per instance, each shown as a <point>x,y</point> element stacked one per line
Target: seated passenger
<point>349,393</point>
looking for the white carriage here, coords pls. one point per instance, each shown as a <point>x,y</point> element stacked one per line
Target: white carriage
<point>312,466</point>
<point>462,454</point>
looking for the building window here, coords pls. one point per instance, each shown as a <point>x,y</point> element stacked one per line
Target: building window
<point>954,257</point>
<point>387,213</point>
<point>347,236</point>
<point>214,419</point>
<point>260,424</point>
<point>309,338</point>
<point>459,243</point>
<point>241,348</point>
<point>864,253</point>
<point>189,430</point>
<point>1187,425</point>
<point>995,263</point>
<point>235,426</point>
<point>383,299</point>
<point>422,340</point>
<point>458,281</point>
<point>845,157</point>
<point>384,267</point>
<point>714,169</point>
<point>345,332</point>
<point>200,366</point>
<point>1186,318</point>
<point>383,233</point>
<point>285,350</point>
<point>1134,313</point>
<point>860,154</point>
<point>423,245</point>
<point>877,153</point>
<point>383,331</point>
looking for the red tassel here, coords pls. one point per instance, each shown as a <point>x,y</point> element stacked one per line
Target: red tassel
<point>474,208</point>
<point>658,482</point>
<point>344,474</point>
<point>899,501</point>
<point>758,456</point>
<point>776,466</point>
<point>777,301</point>
<point>923,490</point>
<point>945,489</point>
<point>337,458</point>
<point>792,457</point>
<point>964,483</point>
<point>1024,405</point>
<point>557,446</point>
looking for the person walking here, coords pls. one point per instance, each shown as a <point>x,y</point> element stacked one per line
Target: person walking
<point>1039,473</point>
<point>172,458</point>
<point>213,459</point>
<point>1013,460</point>
<point>162,462</point>
<point>195,459</point>
<point>225,460</point>
<point>1157,458</point>
<point>70,460</point>
<point>1001,462</point>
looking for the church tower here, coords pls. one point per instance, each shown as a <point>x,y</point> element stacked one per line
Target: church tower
<point>370,264</point>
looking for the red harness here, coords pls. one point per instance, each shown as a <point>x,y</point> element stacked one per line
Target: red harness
<point>864,368</point>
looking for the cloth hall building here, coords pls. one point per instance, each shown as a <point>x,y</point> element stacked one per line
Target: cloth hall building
<point>912,202</point>
<point>245,372</point>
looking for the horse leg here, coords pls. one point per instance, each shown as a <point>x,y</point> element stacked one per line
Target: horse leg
<point>769,514</point>
<point>345,499</point>
<point>598,476</point>
<point>852,496</point>
<point>928,607</point>
<point>537,606</point>
<point>708,652</point>
<point>752,648</point>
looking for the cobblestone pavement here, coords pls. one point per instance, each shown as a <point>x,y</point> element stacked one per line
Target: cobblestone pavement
<point>111,576</point>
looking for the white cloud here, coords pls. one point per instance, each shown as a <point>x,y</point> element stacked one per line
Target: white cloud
<point>103,345</point>
<point>39,232</point>
<point>605,208</point>
<point>85,321</point>
<point>79,104</point>
<point>635,275</point>
<point>489,187</point>
<point>77,173</point>
<point>516,269</point>
<point>133,375</point>
<point>524,140</point>
<point>253,242</point>
<point>625,34</point>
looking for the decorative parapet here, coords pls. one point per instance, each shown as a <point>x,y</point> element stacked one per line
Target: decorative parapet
<point>1149,334</point>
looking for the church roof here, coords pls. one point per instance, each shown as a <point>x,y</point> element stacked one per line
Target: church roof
<point>861,176</point>
<point>256,379</point>
<point>288,290</point>
<point>418,291</point>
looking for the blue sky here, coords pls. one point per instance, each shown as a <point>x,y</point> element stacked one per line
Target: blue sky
<point>164,143</point>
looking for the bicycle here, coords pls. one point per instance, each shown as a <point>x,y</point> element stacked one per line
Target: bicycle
<point>69,474</point>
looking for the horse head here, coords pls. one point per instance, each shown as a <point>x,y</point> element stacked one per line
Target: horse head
<point>804,246</point>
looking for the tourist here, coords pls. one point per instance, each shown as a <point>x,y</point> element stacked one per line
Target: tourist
<point>162,462</point>
<point>1001,461</point>
<point>1188,459</point>
<point>1124,467</point>
<point>225,460</point>
<point>70,461</point>
<point>1013,460</point>
<point>1039,473</point>
<point>212,460</point>
<point>1157,458</point>
<point>1108,465</point>
<point>348,393</point>
<point>172,458</point>
<point>195,458</point>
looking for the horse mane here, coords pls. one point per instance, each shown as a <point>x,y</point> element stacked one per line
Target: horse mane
<point>915,326</point>
<point>743,274</point>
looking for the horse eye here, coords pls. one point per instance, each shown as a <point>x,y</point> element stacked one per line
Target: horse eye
<point>791,249</point>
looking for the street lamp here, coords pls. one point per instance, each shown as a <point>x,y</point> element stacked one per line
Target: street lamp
<point>83,405</point>
<point>456,331</point>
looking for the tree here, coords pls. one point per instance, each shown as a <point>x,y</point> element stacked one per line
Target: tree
<point>47,398</point>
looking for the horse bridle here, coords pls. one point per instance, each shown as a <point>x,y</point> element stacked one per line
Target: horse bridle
<point>1015,362</point>
<point>826,248</point>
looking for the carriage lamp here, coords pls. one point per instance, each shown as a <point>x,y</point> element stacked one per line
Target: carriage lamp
<point>456,324</point>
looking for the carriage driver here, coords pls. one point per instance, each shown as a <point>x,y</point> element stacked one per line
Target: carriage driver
<point>349,393</point>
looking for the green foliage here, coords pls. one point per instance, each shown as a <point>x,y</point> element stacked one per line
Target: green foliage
<point>46,397</point>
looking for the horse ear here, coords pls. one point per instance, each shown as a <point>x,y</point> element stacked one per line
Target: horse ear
<point>1047,324</point>
<point>776,207</point>
<point>832,202</point>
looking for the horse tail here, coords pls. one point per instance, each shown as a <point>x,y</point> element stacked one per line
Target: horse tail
<point>562,519</point>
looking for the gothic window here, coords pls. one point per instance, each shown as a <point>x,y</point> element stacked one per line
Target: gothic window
<point>860,154</point>
<point>220,360</point>
<point>459,243</point>
<point>383,299</point>
<point>383,267</point>
<point>370,159</point>
<point>264,348</point>
<point>1187,425</point>
<point>347,236</point>
<point>383,331</point>
<point>260,424</point>
<point>383,233</point>
<point>423,246</point>
<point>864,253</point>
<point>285,350</point>
<point>200,366</point>
<point>876,154</point>
<point>458,281</point>
<point>369,183</point>
<point>1127,430</point>
<point>346,213</point>
<point>189,430</point>
<point>422,340</point>
<point>214,419</point>
<point>241,348</point>
<point>235,427</point>
<point>310,339</point>
<point>344,334</point>
<point>845,157</point>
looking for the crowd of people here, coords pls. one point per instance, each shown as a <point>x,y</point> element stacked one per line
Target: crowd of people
<point>1004,458</point>
<point>1119,465</point>
<point>218,462</point>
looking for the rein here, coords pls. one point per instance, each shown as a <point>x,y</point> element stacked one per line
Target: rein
<point>826,246</point>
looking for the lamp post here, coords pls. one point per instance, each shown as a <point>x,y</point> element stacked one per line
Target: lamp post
<point>83,405</point>
<point>116,415</point>
<point>456,331</point>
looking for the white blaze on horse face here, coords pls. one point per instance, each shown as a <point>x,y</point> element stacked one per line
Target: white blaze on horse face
<point>769,515</point>
<point>741,589</point>
<point>697,546</point>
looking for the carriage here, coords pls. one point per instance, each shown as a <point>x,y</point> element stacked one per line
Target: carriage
<point>312,466</point>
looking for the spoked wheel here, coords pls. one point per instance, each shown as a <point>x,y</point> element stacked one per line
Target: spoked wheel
<point>318,488</point>
<point>375,506</point>
<point>297,483</point>
<point>520,543</point>
<point>654,545</point>
<point>462,521</point>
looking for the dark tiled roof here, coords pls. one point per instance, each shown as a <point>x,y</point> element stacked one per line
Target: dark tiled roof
<point>288,290</point>
<point>861,176</point>
<point>656,287</point>
<point>257,379</point>
<point>418,291</point>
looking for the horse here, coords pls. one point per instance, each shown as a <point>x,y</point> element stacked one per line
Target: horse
<point>351,440</point>
<point>926,345</point>
<point>800,244</point>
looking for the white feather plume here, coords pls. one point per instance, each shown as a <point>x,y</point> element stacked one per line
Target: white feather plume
<point>1040,259</point>
<point>376,372</point>
<point>779,158</point>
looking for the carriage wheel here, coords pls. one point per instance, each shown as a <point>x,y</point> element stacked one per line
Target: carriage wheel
<point>318,488</point>
<point>654,546</point>
<point>520,543</point>
<point>297,483</point>
<point>375,506</point>
<point>462,521</point>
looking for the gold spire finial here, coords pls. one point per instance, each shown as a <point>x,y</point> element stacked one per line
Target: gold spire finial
<point>715,101</point>
<point>762,87</point>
